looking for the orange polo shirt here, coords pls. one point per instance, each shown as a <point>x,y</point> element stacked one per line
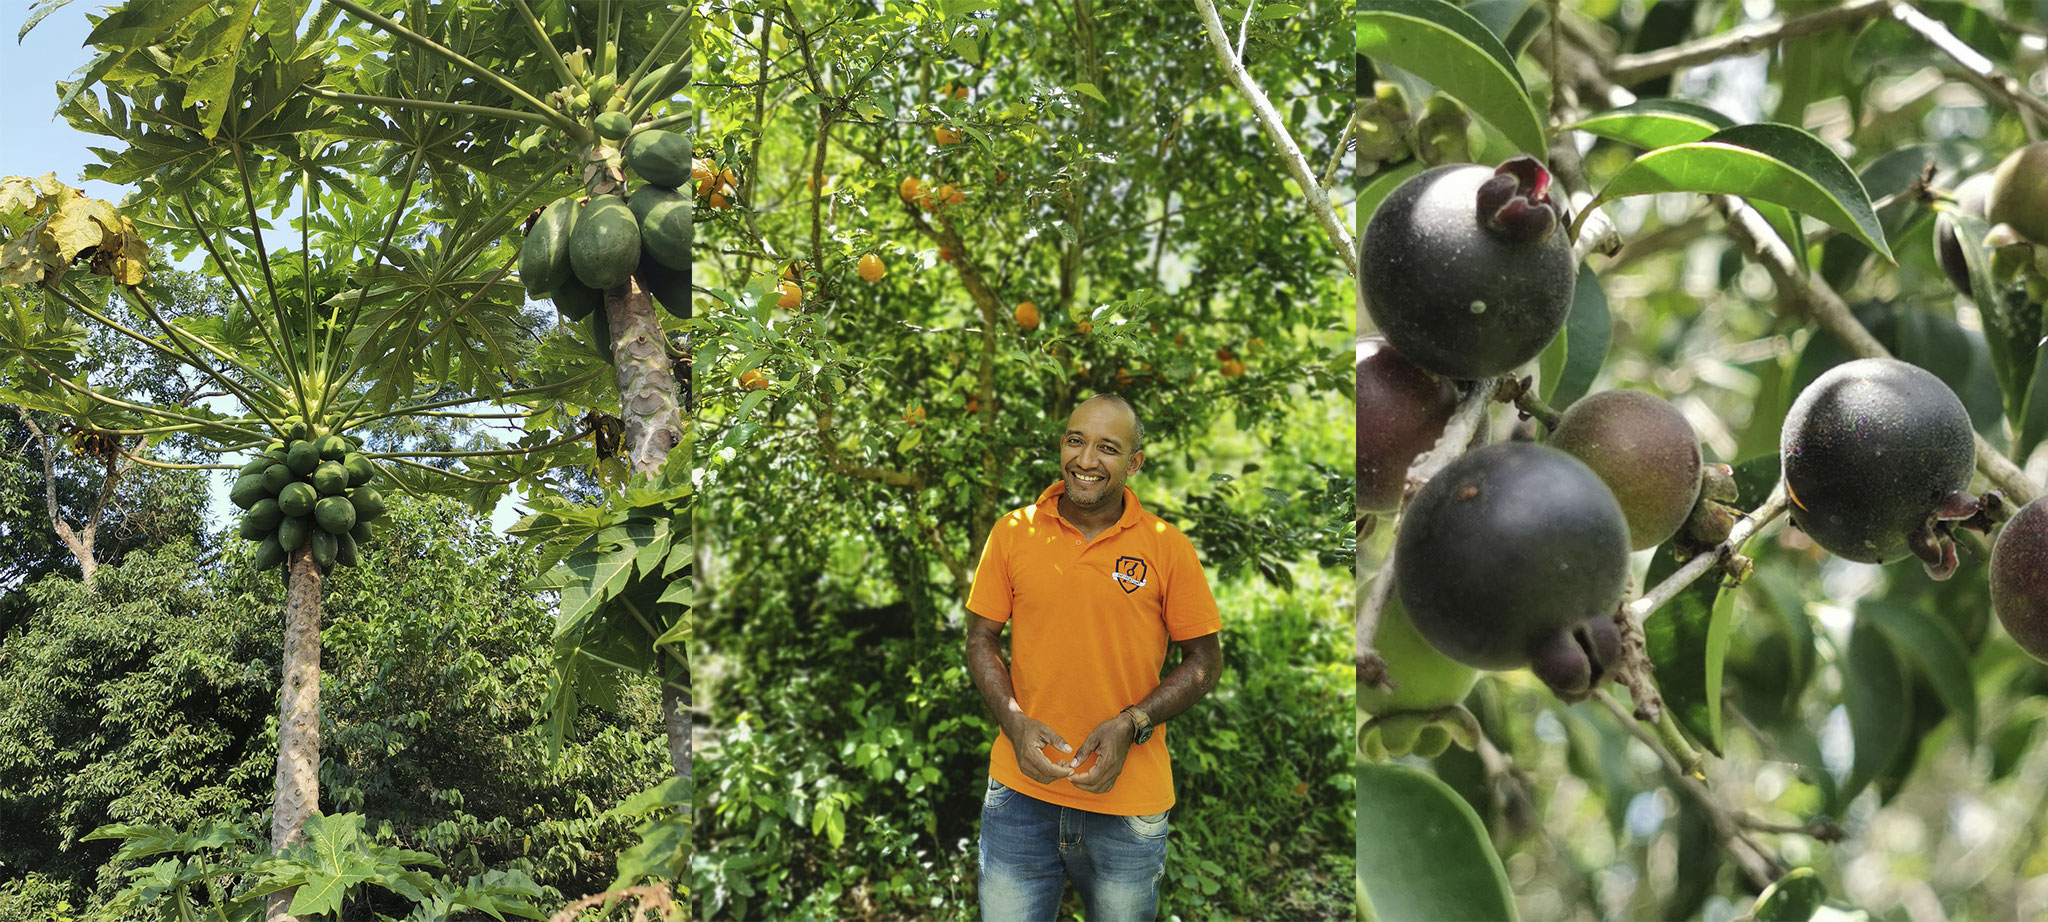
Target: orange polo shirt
<point>1089,624</point>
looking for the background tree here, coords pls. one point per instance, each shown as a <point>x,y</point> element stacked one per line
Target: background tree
<point>926,233</point>
<point>1813,730</point>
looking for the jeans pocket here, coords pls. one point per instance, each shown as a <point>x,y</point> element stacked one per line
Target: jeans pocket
<point>998,794</point>
<point>1149,826</point>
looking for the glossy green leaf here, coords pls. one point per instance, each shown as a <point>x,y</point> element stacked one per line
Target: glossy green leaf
<point>1422,852</point>
<point>1380,187</point>
<point>1764,162</point>
<point>1573,359</point>
<point>1655,123</point>
<point>2012,327</point>
<point>1447,47</point>
<point>1932,645</point>
<point>1879,700</point>
<point>1687,639</point>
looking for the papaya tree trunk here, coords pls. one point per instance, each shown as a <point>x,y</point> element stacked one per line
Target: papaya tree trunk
<point>652,407</point>
<point>298,719</point>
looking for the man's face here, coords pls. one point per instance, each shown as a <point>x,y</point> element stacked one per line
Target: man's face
<point>1096,452</point>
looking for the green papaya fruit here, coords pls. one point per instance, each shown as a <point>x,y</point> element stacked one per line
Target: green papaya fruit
<point>276,478</point>
<point>544,254</point>
<point>247,491</point>
<point>302,457</point>
<point>276,452</point>
<point>360,470</point>
<point>266,515</point>
<point>293,532</point>
<point>670,288</point>
<point>665,231</point>
<point>295,429</point>
<point>332,447</point>
<point>361,533</point>
<point>269,554</point>
<point>330,478</point>
<point>605,245</point>
<point>368,502</point>
<point>335,515</point>
<point>256,467</point>
<point>297,498</point>
<point>274,445</point>
<point>613,126</point>
<point>575,300</point>
<point>660,157</point>
<point>345,550</point>
<point>252,531</point>
<point>325,549</point>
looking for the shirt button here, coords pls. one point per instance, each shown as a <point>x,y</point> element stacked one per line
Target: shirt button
<point>1077,542</point>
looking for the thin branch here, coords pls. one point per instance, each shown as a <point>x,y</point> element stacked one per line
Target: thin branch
<point>1693,569</point>
<point>1977,68</point>
<point>1630,69</point>
<point>1318,198</point>
<point>1761,869</point>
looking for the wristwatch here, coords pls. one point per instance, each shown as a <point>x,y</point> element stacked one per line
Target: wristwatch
<point>1142,722</point>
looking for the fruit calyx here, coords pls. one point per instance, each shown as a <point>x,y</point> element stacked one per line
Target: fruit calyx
<point>1516,205</point>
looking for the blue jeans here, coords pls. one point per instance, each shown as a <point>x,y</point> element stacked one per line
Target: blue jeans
<point>1030,849</point>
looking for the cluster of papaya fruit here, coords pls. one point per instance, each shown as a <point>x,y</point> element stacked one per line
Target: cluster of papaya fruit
<point>583,245</point>
<point>308,490</point>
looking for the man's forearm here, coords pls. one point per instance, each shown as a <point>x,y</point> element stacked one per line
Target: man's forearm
<point>991,675</point>
<point>1200,663</point>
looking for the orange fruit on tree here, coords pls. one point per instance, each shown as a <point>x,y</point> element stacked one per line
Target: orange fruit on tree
<point>700,169</point>
<point>871,268</point>
<point>1180,339</point>
<point>754,379</point>
<point>946,136</point>
<point>945,254</point>
<point>973,405</point>
<point>718,200</point>
<point>1232,368</point>
<point>914,416</point>
<point>725,176</point>
<point>1027,315</point>
<point>791,296</point>
<point>1086,327</point>
<point>910,190</point>
<point>949,194</point>
<point>1223,354</point>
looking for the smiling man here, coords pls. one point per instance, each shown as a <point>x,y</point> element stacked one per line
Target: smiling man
<point>1094,588</point>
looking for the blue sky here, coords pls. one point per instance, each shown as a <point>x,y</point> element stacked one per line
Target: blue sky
<point>38,142</point>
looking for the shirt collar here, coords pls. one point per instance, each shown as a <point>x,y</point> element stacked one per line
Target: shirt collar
<point>1049,501</point>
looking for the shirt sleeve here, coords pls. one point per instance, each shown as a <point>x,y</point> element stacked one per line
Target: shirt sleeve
<point>1190,607</point>
<point>990,595</point>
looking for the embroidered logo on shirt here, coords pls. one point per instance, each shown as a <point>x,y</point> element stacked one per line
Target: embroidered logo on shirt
<point>1130,574</point>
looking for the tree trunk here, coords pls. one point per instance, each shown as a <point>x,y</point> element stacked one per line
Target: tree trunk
<point>298,719</point>
<point>652,407</point>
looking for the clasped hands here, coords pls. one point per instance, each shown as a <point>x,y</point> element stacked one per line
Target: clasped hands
<point>1108,742</point>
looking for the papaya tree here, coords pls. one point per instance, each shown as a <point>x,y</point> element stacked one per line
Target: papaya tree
<point>407,144</point>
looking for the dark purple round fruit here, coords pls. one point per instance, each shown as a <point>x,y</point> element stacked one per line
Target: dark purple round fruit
<point>1971,198</point>
<point>1467,269</point>
<point>1877,455</point>
<point>1507,548</point>
<point>2019,578</point>
<point>1401,413</point>
<point>1645,452</point>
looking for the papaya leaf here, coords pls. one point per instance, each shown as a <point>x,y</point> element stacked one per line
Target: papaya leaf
<point>1765,162</point>
<point>1654,123</point>
<point>1423,854</point>
<point>1447,47</point>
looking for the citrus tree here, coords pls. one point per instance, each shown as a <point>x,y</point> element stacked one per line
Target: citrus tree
<point>1783,349</point>
<point>358,175</point>
<point>926,232</point>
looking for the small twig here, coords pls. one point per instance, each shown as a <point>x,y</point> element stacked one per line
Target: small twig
<point>1760,867</point>
<point>1524,398</point>
<point>1819,830</point>
<point>1698,566</point>
<point>1631,69</point>
<point>1977,68</point>
<point>1465,420</point>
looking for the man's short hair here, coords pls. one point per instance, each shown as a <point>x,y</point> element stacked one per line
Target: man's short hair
<point>1137,421</point>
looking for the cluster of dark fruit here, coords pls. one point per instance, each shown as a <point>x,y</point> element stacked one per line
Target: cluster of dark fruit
<point>308,491</point>
<point>1517,554</point>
